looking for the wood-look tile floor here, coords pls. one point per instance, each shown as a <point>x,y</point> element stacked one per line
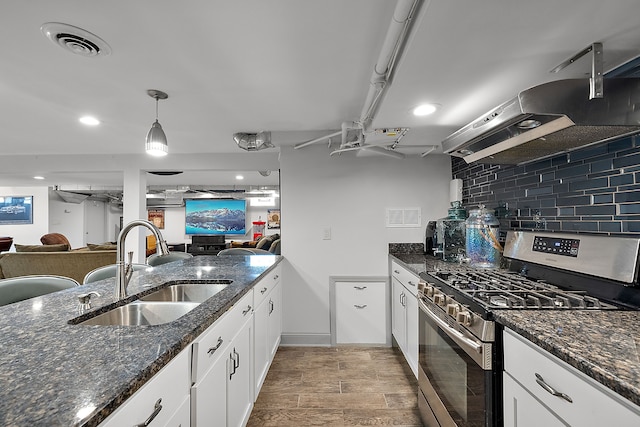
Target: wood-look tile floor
<point>337,386</point>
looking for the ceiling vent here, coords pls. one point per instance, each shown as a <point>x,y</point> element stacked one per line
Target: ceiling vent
<point>75,40</point>
<point>253,141</point>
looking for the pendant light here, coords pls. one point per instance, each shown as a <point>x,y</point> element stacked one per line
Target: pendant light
<point>156,144</point>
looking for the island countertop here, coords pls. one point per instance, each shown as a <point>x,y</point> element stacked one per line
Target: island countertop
<point>56,373</point>
<point>602,344</point>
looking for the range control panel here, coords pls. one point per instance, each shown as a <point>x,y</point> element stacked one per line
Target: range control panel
<point>556,246</point>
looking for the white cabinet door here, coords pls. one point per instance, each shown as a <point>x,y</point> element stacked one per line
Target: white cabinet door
<point>275,320</point>
<point>261,344</point>
<point>399,324</point>
<point>209,395</point>
<point>523,410</point>
<point>411,354</point>
<point>361,316</point>
<point>240,385</point>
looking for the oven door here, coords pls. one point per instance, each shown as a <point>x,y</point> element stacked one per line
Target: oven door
<point>456,377</point>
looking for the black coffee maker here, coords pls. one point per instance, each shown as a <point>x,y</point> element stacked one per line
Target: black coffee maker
<point>430,238</point>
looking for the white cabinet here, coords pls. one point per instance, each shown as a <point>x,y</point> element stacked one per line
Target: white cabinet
<point>361,315</point>
<point>222,392</point>
<point>405,313</point>
<point>267,325</point>
<point>160,402</point>
<point>532,376</point>
<point>240,375</point>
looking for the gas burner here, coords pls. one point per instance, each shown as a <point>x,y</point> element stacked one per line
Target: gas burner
<point>505,290</point>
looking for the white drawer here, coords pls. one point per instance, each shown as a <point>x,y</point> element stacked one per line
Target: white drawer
<point>361,313</point>
<point>408,279</point>
<point>592,403</point>
<point>163,395</point>
<point>263,287</point>
<point>213,342</point>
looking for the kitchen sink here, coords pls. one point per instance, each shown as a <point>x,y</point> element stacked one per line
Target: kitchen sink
<point>187,292</point>
<point>143,313</point>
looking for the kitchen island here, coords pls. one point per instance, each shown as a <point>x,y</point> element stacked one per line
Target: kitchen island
<point>58,373</point>
<point>600,343</point>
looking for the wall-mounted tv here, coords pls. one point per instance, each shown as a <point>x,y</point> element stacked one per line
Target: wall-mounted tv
<point>215,216</point>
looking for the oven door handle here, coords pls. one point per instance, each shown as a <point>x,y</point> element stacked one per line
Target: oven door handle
<point>457,336</point>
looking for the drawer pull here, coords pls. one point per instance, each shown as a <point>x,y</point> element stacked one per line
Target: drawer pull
<point>550,389</point>
<point>396,271</point>
<point>360,288</point>
<point>263,290</point>
<point>411,283</point>
<point>360,306</point>
<point>156,410</point>
<point>217,346</point>
<point>276,277</point>
<point>248,309</point>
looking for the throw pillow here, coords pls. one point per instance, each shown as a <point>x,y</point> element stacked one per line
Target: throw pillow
<point>41,248</point>
<point>264,243</point>
<point>102,247</point>
<point>55,239</point>
<point>275,247</point>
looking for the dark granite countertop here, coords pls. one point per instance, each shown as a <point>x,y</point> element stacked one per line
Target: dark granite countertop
<point>52,370</point>
<point>602,344</point>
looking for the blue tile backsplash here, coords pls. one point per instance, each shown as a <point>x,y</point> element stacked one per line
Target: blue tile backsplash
<point>595,189</point>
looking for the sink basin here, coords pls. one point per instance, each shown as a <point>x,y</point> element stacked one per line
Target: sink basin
<point>186,292</point>
<point>143,313</point>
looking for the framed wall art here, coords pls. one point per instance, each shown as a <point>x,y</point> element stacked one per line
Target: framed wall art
<point>16,210</point>
<point>156,217</point>
<point>273,218</point>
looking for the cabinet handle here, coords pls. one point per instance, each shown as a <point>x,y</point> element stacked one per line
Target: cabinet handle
<point>550,389</point>
<point>276,277</point>
<point>360,306</point>
<point>233,364</point>
<point>360,288</point>
<point>270,306</point>
<point>396,271</point>
<point>156,410</point>
<point>411,283</point>
<point>402,297</point>
<point>217,346</point>
<point>236,360</point>
<point>248,309</point>
<point>263,290</point>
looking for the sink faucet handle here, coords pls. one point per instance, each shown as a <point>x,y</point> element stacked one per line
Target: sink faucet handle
<point>130,256</point>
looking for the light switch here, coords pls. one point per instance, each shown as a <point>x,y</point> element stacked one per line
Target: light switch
<point>326,233</point>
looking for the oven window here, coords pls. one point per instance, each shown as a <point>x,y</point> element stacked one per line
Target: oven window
<point>456,378</point>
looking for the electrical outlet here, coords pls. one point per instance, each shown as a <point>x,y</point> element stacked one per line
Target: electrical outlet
<point>326,233</point>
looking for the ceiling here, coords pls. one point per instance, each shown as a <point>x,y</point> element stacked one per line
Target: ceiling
<point>296,68</point>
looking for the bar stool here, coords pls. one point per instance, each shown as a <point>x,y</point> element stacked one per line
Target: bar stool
<point>16,289</point>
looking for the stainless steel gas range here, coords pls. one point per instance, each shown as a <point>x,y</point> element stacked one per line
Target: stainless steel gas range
<point>460,346</point>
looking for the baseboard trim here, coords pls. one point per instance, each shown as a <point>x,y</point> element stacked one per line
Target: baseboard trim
<point>306,340</point>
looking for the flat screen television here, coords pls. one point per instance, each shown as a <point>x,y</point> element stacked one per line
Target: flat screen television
<point>215,216</point>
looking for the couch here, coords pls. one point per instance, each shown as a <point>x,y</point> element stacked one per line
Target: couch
<point>75,264</point>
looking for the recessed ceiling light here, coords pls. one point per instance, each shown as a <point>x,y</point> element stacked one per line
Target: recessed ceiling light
<point>425,109</point>
<point>239,177</point>
<point>89,121</point>
<point>38,177</point>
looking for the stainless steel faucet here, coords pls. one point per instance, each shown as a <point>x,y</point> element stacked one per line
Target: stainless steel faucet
<point>124,270</point>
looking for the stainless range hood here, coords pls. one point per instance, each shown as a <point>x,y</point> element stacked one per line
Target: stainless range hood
<point>549,119</point>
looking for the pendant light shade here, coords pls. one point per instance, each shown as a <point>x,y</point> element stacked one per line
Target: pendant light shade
<point>156,143</point>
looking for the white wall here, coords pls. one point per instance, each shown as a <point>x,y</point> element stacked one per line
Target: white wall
<point>66,218</point>
<point>349,195</point>
<point>29,234</point>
